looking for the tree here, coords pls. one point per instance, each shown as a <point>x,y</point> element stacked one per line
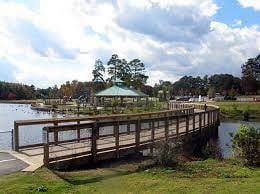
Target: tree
<point>251,75</point>
<point>189,85</point>
<point>98,71</point>
<point>223,83</point>
<point>113,67</point>
<point>138,76</point>
<point>17,91</point>
<point>124,72</point>
<point>211,92</point>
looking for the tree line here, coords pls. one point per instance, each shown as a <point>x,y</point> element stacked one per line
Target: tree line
<point>133,74</point>
<point>224,84</point>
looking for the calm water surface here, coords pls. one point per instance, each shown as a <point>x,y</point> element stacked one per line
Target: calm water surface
<point>11,112</point>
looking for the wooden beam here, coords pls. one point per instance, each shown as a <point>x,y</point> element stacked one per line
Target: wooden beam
<point>117,139</point>
<point>16,136</point>
<point>187,124</point>
<point>137,134</point>
<point>45,136</point>
<point>56,135</point>
<point>94,142</point>
<point>78,131</point>
<point>200,127</point>
<point>177,126</point>
<point>166,126</point>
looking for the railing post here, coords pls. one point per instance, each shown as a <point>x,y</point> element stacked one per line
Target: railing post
<point>177,126</point>
<point>12,139</point>
<point>204,119</point>
<point>46,151</point>
<point>56,135</point>
<point>200,122</point>
<point>187,123</point>
<point>152,136</point>
<point>16,137</point>
<point>194,122</point>
<point>95,128</point>
<point>117,138</point>
<point>213,117</point>
<point>208,118</point>
<point>218,112</point>
<point>114,129</point>
<point>128,126</point>
<point>166,126</point>
<point>137,134</point>
<point>78,131</point>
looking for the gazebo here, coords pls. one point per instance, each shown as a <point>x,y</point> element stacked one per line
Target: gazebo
<point>119,91</point>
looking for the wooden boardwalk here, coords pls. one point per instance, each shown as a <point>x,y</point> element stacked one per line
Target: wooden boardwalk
<point>110,137</point>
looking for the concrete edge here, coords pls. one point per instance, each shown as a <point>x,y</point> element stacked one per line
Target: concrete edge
<point>33,166</point>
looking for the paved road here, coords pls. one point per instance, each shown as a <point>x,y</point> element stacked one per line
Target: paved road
<point>9,164</point>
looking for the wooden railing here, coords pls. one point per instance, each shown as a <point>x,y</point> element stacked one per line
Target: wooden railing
<point>27,133</point>
<point>114,136</point>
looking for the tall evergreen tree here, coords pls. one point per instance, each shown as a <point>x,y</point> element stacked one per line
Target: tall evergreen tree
<point>137,69</point>
<point>114,68</point>
<point>98,71</point>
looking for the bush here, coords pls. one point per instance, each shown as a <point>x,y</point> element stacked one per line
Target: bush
<point>167,153</point>
<point>245,144</point>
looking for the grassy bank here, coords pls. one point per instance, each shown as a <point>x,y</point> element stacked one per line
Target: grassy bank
<point>209,176</point>
<point>236,110</point>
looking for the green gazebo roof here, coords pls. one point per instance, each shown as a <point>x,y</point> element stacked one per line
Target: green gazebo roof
<point>122,91</point>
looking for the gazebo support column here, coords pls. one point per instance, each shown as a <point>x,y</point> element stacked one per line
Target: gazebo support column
<point>121,100</point>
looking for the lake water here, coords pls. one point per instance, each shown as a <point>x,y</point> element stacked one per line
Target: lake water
<point>11,112</point>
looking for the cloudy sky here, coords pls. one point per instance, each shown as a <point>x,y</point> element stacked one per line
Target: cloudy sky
<point>46,42</point>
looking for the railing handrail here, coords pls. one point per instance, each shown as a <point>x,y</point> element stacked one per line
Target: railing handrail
<point>9,131</point>
<point>96,117</point>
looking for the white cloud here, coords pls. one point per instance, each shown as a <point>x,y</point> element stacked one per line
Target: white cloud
<point>237,23</point>
<point>61,41</point>
<point>255,4</point>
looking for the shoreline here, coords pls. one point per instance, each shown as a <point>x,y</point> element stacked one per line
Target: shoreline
<point>17,101</point>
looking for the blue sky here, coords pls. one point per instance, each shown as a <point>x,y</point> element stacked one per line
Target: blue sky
<point>46,42</point>
<point>231,10</point>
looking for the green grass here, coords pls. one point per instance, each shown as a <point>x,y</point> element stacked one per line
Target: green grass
<point>209,176</point>
<point>236,110</point>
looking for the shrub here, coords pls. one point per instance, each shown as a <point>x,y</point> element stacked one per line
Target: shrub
<point>167,153</point>
<point>245,144</point>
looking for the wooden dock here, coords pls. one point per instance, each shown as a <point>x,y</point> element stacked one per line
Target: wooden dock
<point>105,137</point>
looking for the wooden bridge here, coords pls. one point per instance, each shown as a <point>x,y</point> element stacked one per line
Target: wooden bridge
<point>104,137</point>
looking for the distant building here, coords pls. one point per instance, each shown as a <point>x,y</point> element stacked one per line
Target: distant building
<point>119,91</point>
